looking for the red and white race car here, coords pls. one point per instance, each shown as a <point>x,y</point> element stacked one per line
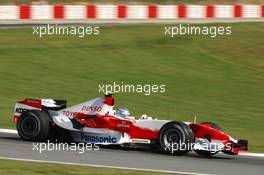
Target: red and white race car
<point>96,121</point>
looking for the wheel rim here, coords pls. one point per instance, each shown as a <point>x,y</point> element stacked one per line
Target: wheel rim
<point>172,137</point>
<point>29,126</point>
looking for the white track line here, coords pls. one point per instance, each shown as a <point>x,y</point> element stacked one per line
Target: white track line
<point>102,166</point>
<point>10,131</point>
<point>13,131</point>
<point>251,154</point>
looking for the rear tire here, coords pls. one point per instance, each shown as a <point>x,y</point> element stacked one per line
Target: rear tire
<point>33,125</point>
<point>175,138</point>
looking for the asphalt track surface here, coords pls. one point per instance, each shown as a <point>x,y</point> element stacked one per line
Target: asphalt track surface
<point>11,146</point>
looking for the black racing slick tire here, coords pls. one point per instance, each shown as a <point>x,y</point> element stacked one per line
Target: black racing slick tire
<point>175,138</point>
<point>213,125</point>
<point>33,125</point>
<point>204,152</point>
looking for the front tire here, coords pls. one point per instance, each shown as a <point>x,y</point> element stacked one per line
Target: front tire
<point>175,138</point>
<point>204,152</point>
<point>33,125</point>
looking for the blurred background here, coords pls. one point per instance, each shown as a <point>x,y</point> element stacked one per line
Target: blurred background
<point>217,79</point>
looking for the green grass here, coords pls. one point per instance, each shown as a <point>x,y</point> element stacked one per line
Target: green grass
<point>11,167</point>
<point>216,79</point>
<point>143,1</point>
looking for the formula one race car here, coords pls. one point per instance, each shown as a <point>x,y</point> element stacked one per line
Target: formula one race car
<point>96,122</point>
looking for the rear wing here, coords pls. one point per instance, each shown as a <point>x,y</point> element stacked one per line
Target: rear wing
<point>37,104</point>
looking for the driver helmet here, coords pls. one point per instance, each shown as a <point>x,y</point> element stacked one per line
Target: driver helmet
<point>122,112</point>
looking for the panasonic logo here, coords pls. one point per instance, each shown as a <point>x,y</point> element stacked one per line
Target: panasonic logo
<point>97,139</point>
